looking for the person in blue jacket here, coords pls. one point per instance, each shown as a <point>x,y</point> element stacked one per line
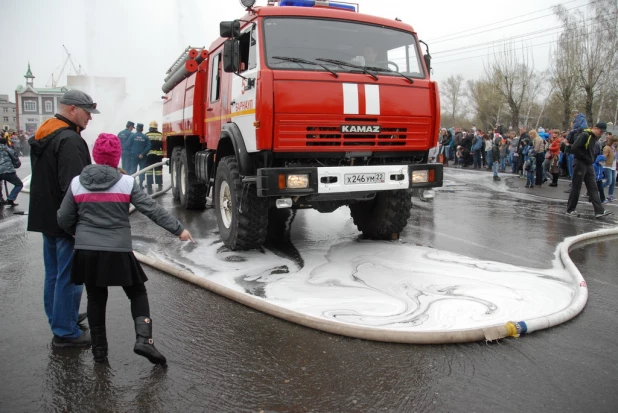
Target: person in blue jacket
<point>599,175</point>
<point>140,146</point>
<point>125,136</point>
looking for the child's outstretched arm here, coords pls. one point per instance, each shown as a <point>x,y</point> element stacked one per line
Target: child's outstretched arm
<point>159,215</point>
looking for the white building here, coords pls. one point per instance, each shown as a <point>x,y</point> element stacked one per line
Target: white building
<point>35,105</point>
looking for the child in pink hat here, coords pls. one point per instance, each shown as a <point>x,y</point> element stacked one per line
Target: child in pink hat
<point>95,211</point>
<point>107,150</point>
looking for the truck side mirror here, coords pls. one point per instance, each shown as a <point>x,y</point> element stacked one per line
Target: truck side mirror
<point>229,29</point>
<point>427,58</point>
<point>231,55</point>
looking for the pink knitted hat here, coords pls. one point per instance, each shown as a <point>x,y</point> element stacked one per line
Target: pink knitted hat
<point>107,150</point>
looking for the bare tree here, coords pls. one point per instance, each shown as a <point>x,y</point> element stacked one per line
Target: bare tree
<point>564,68</point>
<point>596,40</point>
<point>512,73</point>
<point>452,91</point>
<point>485,101</point>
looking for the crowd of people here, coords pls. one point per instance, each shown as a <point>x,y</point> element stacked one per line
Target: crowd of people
<point>141,150</point>
<point>538,156</point>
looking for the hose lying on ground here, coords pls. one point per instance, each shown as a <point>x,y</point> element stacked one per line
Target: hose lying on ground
<point>490,333</point>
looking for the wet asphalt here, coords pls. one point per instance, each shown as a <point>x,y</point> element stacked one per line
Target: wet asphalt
<point>225,357</point>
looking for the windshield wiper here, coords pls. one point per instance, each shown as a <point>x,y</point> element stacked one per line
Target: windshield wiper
<point>304,61</point>
<point>382,69</point>
<point>346,64</point>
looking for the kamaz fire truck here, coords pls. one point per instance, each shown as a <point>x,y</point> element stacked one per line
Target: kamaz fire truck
<point>302,104</point>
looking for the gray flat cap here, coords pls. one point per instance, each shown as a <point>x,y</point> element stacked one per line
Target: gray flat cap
<point>79,99</point>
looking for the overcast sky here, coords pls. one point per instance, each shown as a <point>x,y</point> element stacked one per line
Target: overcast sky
<point>140,39</point>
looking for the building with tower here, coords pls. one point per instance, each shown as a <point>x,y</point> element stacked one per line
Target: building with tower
<point>35,105</point>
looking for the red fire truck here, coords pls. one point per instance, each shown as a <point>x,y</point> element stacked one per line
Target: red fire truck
<point>302,104</point>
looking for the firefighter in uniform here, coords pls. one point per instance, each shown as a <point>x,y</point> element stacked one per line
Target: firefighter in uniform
<point>125,143</point>
<point>154,156</point>
<point>140,146</point>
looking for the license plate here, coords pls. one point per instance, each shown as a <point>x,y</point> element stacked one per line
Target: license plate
<point>353,179</point>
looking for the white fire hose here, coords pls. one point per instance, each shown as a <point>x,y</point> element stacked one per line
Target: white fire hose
<point>490,333</point>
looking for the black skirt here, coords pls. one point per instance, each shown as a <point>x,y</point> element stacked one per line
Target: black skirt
<point>106,268</point>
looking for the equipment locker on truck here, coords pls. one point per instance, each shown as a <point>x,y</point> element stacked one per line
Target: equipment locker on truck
<point>302,104</point>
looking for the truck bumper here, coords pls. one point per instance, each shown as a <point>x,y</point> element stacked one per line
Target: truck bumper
<point>272,182</point>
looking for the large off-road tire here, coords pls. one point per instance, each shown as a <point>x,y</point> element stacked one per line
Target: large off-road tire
<point>242,216</point>
<point>385,216</point>
<point>175,172</point>
<point>192,193</point>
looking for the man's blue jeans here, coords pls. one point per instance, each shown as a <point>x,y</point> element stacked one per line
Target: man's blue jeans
<point>476,154</point>
<point>495,168</point>
<point>610,175</point>
<point>14,180</point>
<point>490,161</point>
<point>60,296</point>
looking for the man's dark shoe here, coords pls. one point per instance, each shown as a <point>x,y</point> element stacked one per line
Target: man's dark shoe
<point>2,202</point>
<point>603,214</point>
<point>82,341</point>
<point>81,317</point>
<point>11,203</point>
<point>149,189</point>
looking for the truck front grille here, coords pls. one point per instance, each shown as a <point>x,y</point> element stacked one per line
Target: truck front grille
<point>330,136</point>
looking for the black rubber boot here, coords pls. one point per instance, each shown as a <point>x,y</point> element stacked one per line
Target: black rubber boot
<point>99,344</point>
<point>144,345</point>
<point>149,189</point>
<point>159,187</point>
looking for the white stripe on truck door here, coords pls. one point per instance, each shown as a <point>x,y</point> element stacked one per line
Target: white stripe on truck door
<point>350,99</point>
<point>372,99</point>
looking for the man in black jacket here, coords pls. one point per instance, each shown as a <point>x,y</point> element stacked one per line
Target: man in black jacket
<point>583,172</point>
<point>58,154</point>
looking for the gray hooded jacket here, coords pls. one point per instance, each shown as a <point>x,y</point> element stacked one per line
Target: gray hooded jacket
<point>7,158</point>
<point>96,210</point>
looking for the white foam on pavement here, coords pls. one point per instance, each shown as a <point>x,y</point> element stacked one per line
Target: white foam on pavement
<point>389,285</point>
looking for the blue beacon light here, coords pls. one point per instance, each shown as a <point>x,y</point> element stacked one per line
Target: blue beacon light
<point>312,3</point>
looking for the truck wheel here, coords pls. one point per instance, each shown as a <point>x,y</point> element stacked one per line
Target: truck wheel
<point>192,193</point>
<point>385,216</point>
<point>242,216</point>
<point>175,172</point>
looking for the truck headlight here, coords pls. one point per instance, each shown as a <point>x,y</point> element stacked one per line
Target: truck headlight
<point>420,176</point>
<point>297,181</point>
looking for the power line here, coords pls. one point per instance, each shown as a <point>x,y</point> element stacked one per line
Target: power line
<point>501,21</point>
<point>509,25</point>
<point>515,50</point>
<point>546,32</point>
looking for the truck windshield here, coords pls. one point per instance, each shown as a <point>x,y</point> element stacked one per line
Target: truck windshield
<point>380,49</point>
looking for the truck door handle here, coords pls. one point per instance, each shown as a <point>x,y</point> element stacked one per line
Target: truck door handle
<point>209,110</point>
<point>232,103</point>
